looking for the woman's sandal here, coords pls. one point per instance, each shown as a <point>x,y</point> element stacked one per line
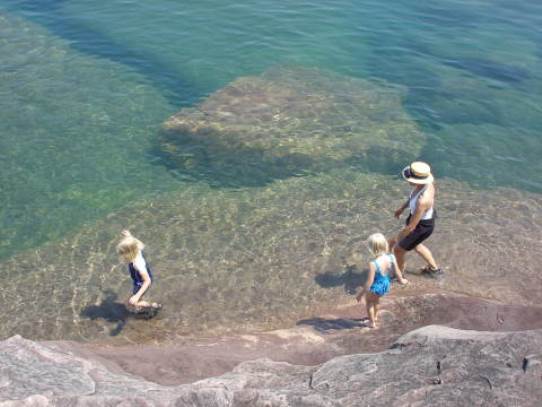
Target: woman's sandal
<point>425,270</point>
<point>431,272</point>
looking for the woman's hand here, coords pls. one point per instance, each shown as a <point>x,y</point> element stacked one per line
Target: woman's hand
<point>407,230</point>
<point>398,212</point>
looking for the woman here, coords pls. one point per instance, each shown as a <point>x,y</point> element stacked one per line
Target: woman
<point>421,219</point>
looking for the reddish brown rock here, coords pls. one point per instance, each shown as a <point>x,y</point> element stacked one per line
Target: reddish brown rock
<point>430,366</point>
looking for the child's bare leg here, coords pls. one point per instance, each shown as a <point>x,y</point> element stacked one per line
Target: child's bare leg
<point>139,305</point>
<point>371,312</point>
<point>372,318</point>
<point>145,304</point>
<point>425,253</point>
<point>371,301</point>
<point>376,306</point>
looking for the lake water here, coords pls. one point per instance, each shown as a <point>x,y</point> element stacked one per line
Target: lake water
<point>237,240</point>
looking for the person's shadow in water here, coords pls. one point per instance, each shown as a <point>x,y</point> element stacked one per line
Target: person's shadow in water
<point>109,310</point>
<point>351,278</point>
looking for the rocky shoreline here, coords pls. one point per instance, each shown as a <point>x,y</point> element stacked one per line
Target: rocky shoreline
<point>321,362</point>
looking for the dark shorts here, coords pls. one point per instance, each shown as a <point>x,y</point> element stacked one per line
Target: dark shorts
<point>423,231</point>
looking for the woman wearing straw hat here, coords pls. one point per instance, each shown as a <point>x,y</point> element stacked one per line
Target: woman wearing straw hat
<point>421,219</point>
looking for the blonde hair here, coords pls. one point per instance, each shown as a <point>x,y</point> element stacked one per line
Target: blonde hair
<point>378,244</point>
<point>129,247</point>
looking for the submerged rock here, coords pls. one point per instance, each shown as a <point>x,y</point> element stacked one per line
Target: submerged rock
<point>438,366</point>
<point>289,121</point>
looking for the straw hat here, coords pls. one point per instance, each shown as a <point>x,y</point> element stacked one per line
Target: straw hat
<point>418,173</point>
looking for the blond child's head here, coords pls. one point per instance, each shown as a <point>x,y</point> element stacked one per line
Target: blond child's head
<point>378,244</point>
<point>129,247</point>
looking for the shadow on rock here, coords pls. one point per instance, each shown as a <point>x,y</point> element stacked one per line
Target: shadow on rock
<point>351,278</point>
<point>109,310</point>
<point>325,325</point>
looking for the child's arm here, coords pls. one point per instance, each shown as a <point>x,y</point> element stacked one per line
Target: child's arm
<point>398,273</point>
<point>142,270</point>
<point>368,283</point>
<point>126,233</point>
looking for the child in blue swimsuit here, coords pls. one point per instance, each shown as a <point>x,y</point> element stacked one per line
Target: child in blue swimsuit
<point>130,249</point>
<point>378,281</point>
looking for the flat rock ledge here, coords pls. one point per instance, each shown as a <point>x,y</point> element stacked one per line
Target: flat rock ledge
<point>430,366</point>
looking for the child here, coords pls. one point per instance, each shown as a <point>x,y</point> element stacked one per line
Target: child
<point>378,280</point>
<point>130,249</point>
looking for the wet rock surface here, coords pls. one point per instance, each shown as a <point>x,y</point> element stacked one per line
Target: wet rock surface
<point>265,259</point>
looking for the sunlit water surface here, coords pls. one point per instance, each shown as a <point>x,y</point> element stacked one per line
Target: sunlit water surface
<point>239,242</point>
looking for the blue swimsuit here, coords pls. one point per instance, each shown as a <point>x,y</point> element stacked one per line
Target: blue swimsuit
<point>381,283</point>
<point>136,277</point>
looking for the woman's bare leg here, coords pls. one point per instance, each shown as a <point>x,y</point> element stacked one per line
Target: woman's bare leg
<point>399,253</point>
<point>425,253</point>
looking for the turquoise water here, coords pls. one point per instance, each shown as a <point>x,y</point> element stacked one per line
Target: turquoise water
<point>86,86</point>
<point>471,70</point>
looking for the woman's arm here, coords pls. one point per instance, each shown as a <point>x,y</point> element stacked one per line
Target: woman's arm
<point>414,219</point>
<point>400,210</point>
<point>368,283</point>
<point>425,201</point>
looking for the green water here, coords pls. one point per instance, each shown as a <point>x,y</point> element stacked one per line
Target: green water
<point>85,88</point>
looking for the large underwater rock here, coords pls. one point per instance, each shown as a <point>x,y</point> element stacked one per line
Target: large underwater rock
<point>438,366</point>
<point>288,121</point>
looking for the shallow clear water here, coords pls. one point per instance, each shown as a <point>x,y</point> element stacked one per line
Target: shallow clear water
<point>86,87</point>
